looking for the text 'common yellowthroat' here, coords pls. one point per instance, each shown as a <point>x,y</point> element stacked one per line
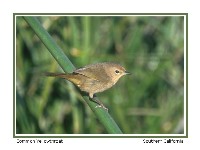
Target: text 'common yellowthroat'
<point>94,78</point>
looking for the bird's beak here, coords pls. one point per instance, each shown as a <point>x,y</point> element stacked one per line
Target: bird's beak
<point>127,73</point>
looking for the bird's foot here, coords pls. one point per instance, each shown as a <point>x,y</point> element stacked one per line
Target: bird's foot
<point>102,106</point>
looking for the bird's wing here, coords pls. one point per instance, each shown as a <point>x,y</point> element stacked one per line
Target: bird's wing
<point>87,72</point>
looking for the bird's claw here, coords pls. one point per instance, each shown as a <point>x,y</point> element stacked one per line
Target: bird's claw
<point>101,106</point>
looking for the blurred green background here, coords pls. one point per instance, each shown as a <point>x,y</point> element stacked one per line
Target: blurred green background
<point>150,101</point>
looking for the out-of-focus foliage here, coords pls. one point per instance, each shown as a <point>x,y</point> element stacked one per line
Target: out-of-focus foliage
<point>150,101</point>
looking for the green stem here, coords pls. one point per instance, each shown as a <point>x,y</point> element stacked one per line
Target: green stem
<point>103,116</point>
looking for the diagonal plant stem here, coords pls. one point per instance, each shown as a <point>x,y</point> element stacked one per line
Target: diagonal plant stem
<point>103,116</point>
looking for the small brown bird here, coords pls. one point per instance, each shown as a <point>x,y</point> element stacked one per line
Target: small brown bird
<point>94,78</point>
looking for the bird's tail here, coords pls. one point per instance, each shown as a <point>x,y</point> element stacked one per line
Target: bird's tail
<point>59,75</point>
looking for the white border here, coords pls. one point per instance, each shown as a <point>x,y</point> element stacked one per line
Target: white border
<point>113,135</point>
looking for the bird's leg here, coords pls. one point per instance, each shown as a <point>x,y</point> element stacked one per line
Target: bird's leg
<point>100,104</point>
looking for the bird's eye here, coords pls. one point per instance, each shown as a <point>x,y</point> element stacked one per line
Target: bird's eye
<point>116,71</point>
